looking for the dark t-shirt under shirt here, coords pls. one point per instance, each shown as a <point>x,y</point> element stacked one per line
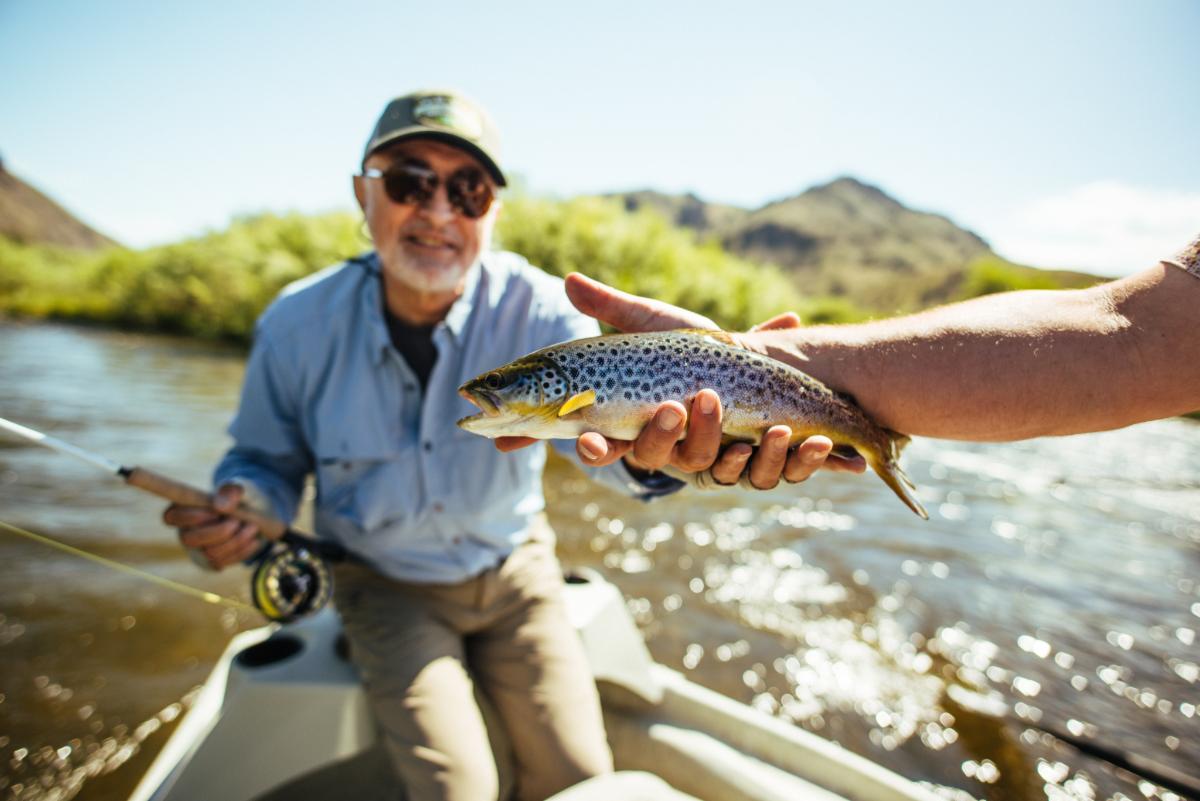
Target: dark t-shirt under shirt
<point>415,344</point>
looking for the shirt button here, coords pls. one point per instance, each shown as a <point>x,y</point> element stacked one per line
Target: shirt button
<point>456,540</point>
<point>428,447</point>
<point>411,387</point>
<point>437,507</point>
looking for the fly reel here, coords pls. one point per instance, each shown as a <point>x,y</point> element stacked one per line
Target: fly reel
<point>290,581</point>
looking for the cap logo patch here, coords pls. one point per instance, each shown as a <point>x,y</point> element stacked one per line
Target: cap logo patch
<point>443,112</point>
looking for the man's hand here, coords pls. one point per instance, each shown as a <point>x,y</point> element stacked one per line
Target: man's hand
<point>221,539</point>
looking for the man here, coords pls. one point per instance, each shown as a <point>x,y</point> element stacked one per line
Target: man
<point>453,585</point>
<point>996,368</point>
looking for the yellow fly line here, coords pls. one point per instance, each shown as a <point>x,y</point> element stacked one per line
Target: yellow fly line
<point>184,589</point>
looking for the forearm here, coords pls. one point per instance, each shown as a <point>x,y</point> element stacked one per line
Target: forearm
<point>1019,364</point>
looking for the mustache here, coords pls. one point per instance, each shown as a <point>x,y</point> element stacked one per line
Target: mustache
<point>449,236</point>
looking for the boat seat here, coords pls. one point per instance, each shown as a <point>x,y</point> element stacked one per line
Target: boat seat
<point>624,785</point>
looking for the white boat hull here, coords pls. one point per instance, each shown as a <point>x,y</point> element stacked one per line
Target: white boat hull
<point>283,715</point>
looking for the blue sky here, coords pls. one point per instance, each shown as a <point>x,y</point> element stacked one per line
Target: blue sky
<point>1065,133</point>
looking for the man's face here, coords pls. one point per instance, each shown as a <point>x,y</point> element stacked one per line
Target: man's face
<point>424,247</point>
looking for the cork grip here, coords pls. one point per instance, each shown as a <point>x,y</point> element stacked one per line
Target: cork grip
<point>187,495</point>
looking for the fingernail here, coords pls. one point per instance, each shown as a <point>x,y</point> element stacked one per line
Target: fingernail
<point>669,419</point>
<point>590,451</point>
<point>741,456</point>
<point>815,455</point>
<point>708,403</point>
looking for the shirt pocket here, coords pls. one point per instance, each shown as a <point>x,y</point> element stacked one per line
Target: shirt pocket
<point>365,487</point>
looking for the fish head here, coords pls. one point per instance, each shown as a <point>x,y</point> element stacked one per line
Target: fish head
<point>521,398</point>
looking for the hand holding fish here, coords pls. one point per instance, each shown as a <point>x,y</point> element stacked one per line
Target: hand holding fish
<point>771,461</point>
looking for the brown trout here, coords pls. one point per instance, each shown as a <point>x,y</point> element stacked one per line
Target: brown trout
<point>612,385</point>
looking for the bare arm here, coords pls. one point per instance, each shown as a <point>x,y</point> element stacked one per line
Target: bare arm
<point>1019,364</point>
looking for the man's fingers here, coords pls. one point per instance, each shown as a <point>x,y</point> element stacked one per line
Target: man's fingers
<point>210,534</point>
<point>241,546</point>
<point>699,449</point>
<point>807,458</point>
<point>728,468</point>
<point>595,450</point>
<point>654,446</point>
<point>506,444</point>
<point>189,516</point>
<point>767,465</point>
<point>627,312</point>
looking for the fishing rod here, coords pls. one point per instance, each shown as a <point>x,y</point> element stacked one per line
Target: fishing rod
<point>291,576</point>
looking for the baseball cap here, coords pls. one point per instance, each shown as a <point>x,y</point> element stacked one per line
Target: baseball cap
<point>444,115</point>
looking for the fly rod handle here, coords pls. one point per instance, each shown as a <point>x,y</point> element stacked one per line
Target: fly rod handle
<point>172,490</point>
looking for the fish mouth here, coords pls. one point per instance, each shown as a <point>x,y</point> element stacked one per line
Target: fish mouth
<point>485,400</point>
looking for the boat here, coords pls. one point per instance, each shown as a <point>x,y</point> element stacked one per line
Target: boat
<point>284,716</point>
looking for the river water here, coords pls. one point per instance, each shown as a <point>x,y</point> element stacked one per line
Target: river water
<point>1057,586</point>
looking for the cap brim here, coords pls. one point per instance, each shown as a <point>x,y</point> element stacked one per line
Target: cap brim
<point>421,132</point>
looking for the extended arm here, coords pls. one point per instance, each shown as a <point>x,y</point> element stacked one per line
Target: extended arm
<point>1019,364</point>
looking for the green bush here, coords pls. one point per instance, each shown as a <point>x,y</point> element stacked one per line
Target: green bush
<point>988,275</point>
<point>213,286</point>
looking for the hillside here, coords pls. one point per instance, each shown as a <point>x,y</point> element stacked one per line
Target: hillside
<point>849,239</point>
<point>30,218</point>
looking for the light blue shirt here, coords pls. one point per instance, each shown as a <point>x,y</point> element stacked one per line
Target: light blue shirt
<point>398,483</point>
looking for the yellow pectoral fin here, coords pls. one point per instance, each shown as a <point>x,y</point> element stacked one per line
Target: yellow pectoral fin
<point>577,402</point>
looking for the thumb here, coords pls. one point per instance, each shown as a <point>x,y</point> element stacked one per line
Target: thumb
<point>593,298</point>
<point>626,312</point>
<point>227,497</point>
<point>779,321</point>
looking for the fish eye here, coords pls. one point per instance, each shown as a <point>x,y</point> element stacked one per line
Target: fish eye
<point>494,381</point>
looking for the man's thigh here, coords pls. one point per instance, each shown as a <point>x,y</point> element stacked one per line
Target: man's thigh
<point>413,668</point>
<point>532,666</point>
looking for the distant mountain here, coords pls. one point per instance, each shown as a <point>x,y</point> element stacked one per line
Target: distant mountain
<point>850,239</point>
<point>29,217</point>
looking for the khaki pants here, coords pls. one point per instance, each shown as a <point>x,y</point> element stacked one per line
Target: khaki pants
<point>422,648</point>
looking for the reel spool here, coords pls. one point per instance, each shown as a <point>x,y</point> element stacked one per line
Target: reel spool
<point>290,582</point>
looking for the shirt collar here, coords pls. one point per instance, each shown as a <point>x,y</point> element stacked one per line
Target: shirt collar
<point>372,308</point>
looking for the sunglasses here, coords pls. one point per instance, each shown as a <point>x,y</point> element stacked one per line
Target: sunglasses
<point>414,183</point>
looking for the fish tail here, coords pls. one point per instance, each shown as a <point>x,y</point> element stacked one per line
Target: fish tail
<point>901,484</point>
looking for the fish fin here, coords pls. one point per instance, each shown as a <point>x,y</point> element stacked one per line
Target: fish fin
<point>902,485</point>
<point>578,401</point>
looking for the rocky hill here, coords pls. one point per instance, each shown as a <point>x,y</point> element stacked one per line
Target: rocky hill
<point>29,217</point>
<point>849,239</point>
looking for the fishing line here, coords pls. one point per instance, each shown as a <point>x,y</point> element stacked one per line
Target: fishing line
<point>175,586</point>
